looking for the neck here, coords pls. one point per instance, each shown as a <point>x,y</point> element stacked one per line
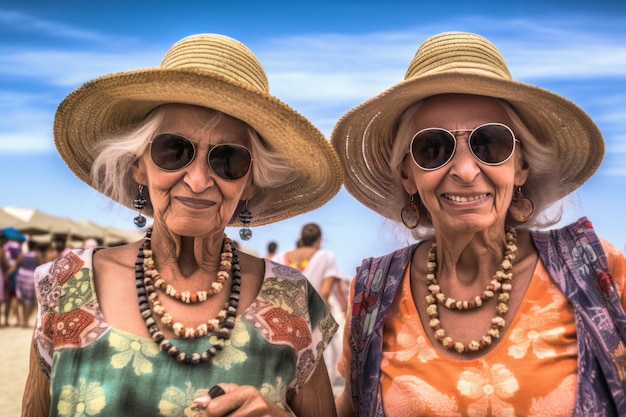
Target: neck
<point>469,258</point>
<point>186,255</point>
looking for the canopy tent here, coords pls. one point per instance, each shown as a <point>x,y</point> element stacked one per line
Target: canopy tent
<point>7,220</point>
<point>38,222</point>
<point>109,235</point>
<point>33,222</point>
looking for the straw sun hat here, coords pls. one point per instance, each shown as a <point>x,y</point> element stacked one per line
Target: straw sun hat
<point>216,72</point>
<point>465,63</point>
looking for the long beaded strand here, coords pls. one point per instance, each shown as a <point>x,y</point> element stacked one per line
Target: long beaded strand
<point>151,278</point>
<point>144,290</point>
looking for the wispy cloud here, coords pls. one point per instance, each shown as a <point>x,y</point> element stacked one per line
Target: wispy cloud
<point>25,125</point>
<point>22,22</point>
<point>343,67</point>
<point>62,68</point>
<point>326,74</point>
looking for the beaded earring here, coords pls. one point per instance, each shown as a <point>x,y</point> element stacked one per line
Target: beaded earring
<point>139,202</point>
<point>521,208</point>
<point>410,213</point>
<point>244,217</point>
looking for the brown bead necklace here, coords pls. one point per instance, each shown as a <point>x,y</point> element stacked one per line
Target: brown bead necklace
<point>148,301</point>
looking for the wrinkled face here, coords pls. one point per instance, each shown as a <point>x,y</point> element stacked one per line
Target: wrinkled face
<point>194,200</point>
<point>464,194</point>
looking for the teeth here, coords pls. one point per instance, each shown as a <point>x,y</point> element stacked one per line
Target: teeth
<point>459,199</point>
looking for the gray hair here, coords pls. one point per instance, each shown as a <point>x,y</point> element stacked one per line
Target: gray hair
<point>117,154</point>
<point>541,186</point>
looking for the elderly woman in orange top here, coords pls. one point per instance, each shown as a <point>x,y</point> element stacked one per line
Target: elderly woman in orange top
<point>494,311</point>
<point>181,323</point>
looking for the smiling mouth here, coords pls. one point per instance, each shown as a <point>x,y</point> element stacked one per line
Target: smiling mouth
<point>463,199</point>
<point>196,203</point>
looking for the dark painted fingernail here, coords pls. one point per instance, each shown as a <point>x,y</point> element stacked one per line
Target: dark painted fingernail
<point>216,391</point>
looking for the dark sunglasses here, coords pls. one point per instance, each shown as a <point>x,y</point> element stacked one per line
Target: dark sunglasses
<point>172,152</point>
<point>491,144</point>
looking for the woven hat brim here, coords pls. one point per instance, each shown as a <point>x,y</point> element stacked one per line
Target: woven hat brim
<point>364,136</point>
<point>112,102</point>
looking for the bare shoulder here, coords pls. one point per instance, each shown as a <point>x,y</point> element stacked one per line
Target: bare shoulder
<point>117,257</point>
<point>526,250</point>
<point>251,265</point>
<point>252,275</point>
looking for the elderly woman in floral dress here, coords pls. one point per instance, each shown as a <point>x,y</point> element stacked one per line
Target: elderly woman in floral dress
<point>181,323</point>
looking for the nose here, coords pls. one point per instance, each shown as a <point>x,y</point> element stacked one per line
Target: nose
<point>464,164</point>
<point>198,174</point>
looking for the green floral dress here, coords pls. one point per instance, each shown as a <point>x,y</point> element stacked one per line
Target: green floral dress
<point>97,370</point>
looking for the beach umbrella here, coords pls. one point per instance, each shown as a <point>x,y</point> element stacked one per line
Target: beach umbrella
<point>13,234</point>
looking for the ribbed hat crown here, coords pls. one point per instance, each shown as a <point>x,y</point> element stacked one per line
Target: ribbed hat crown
<point>217,54</point>
<point>455,51</point>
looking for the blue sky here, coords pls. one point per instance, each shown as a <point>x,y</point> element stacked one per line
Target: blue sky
<point>322,58</point>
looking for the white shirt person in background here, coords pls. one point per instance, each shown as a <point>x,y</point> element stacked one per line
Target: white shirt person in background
<point>320,267</point>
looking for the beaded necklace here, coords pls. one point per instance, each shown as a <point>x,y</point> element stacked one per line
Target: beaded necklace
<point>501,283</point>
<point>148,297</point>
<point>197,296</point>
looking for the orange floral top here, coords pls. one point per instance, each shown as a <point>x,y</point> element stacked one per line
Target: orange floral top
<point>516,378</point>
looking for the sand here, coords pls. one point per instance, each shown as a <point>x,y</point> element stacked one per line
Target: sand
<point>14,355</point>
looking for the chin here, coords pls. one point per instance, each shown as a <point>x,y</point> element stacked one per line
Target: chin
<point>188,228</point>
<point>472,224</point>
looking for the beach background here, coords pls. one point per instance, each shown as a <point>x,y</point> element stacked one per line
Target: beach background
<point>15,342</point>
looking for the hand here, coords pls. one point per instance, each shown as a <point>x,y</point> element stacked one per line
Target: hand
<point>238,401</point>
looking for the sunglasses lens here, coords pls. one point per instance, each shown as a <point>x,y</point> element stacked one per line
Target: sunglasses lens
<point>492,143</point>
<point>171,152</point>
<point>230,162</point>
<point>432,148</point>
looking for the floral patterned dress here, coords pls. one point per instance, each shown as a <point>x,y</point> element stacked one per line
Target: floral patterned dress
<point>417,380</point>
<point>97,370</point>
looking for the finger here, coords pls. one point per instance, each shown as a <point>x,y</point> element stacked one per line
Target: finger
<point>200,403</point>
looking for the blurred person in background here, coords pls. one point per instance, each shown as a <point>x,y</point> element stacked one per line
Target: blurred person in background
<point>25,283</point>
<point>321,269</point>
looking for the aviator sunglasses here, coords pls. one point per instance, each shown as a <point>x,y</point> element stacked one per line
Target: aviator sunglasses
<point>228,161</point>
<point>491,143</point>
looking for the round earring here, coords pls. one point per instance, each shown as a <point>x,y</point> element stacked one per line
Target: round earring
<point>521,208</point>
<point>410,213</point>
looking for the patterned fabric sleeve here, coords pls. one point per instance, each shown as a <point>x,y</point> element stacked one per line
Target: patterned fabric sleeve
<point>47,299</point>
<point>68,314</point>
<point>617,266</point>
<point>288,310</point>
<point>579,264</point>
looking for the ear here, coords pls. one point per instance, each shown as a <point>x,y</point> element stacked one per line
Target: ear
<point>249,191</point>
<point>522,170</point>
<point>406,176</point>
<point>139,172</point>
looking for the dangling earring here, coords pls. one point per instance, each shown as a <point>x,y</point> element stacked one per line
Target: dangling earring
<point>244,217</point>
<point>410,214</point>
<point>522,208</point>
<point>139,202</point>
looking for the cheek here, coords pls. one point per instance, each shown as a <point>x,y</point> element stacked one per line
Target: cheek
<point>160,187</point>
<point>427,182</point>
